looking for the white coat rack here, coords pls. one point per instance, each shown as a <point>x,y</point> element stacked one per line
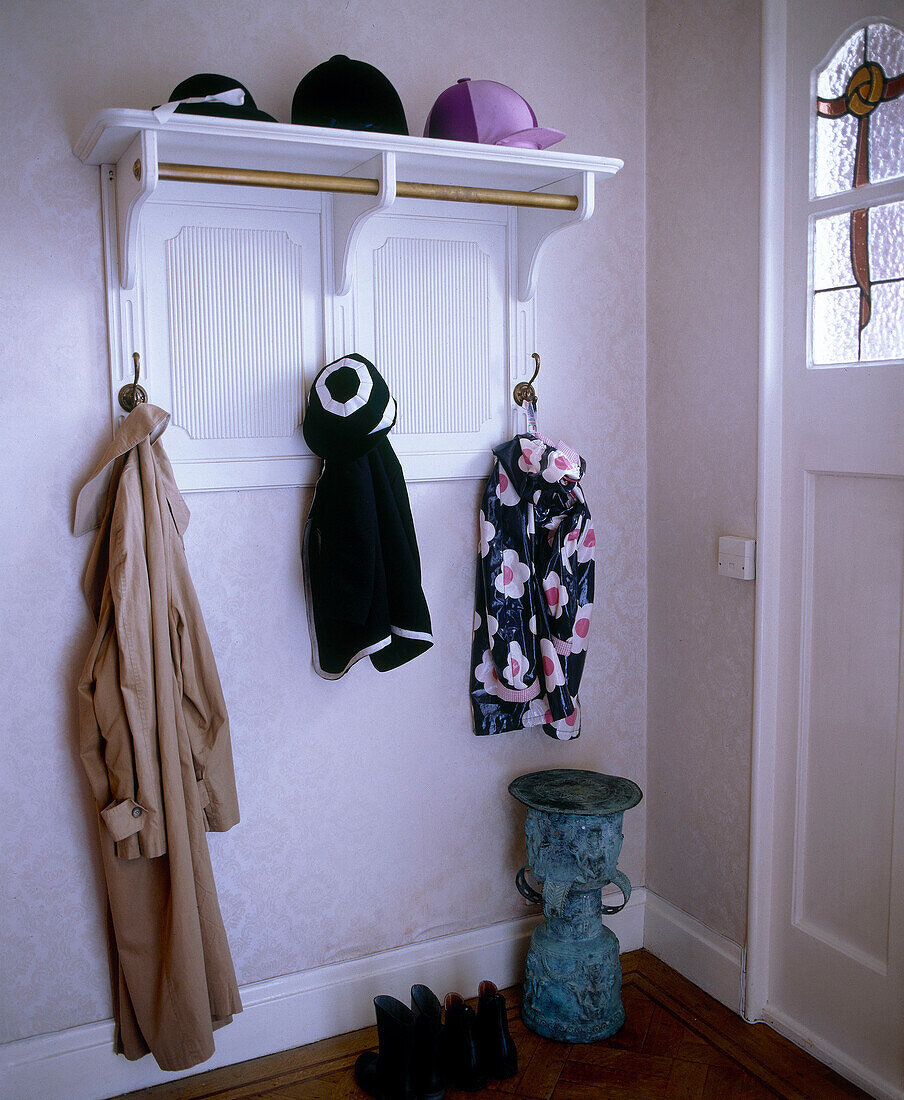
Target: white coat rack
<point>241,255</point>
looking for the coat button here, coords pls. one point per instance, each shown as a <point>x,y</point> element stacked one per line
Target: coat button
<point>137,812</point>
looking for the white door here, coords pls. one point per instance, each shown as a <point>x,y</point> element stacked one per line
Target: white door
<point>826,949</point>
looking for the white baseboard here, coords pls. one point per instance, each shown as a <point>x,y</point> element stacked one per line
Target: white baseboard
<point>716,965</point>
<point>832,1056</point>
<point>289,1011</point>
<point>708,959</point>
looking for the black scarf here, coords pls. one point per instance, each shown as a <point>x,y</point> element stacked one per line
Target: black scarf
<point>361,563</point>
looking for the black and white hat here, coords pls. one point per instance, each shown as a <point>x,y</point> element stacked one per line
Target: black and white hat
<point>350,409</point>
<point>213,95</point>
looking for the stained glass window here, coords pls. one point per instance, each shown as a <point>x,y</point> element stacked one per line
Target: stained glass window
<point>857,260</point>
<point>860,112</point>
<point>858,285</point>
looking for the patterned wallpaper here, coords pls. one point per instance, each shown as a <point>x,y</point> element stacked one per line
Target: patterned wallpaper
<point>371,816</point>
<point>702,320</point>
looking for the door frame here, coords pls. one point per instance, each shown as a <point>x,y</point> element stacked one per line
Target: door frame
<point>769,473</point>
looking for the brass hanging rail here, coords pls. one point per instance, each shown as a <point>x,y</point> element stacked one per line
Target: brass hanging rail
<point>354,185</point>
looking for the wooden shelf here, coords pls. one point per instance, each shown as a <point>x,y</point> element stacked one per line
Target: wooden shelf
<point>134,143</point>
<point>199,139</point>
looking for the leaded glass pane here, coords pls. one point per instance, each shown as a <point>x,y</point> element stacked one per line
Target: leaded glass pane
<point>886,142</point>
<point>859,132</point>
<point>836,146</point>
<point>832,252</point>
<point>886,241</point>
<point>833,79</point>
<point>886,45</point>
<point>858,285</point>
<point>883,337</point>
<point>835,327</point>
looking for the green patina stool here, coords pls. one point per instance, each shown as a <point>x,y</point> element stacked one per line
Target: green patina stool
<point>572,982</point>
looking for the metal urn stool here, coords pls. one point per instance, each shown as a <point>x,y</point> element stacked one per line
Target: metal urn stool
<point>572,982</point>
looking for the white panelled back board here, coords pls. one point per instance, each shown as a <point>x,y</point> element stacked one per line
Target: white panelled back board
<point>431,311</point>
<point>234,292</point>
<point>233,331</point>
<point>235,295</point>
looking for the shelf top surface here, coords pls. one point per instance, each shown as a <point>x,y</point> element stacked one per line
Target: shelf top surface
<point>237,143</point>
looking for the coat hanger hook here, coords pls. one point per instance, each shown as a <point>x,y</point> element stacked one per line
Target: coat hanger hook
<point>525,391</point>
<point>132,394</point>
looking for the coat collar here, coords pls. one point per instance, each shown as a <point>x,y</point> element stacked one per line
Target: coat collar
<point>143,422</point>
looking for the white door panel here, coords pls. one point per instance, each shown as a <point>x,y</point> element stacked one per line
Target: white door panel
<point>830,935</point>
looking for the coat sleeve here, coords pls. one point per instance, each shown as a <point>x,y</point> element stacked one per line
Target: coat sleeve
<point>102,723</point>
<point>204,711</point>
<point>117,711</point>
<point>559,583</point>
<point>508,589</point>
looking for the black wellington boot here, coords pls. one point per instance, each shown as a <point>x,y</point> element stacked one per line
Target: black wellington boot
<point>460,1050</point>
<point>389,1075</point>
<point>429,1075</point>
<point>497,1050</point>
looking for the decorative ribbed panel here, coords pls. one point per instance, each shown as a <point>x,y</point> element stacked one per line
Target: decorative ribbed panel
<point>431,315</point>
<point>235,300</point>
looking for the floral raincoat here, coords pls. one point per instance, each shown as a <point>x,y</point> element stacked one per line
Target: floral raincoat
<point>535,575</point>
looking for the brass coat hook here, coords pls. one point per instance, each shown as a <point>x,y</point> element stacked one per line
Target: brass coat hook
<point>525,391</point>
<point>132,394</point>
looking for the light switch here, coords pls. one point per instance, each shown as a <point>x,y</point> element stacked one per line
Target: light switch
<point>737,557</point>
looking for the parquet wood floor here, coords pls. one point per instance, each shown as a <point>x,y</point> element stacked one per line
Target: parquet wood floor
<point>678,1044</point>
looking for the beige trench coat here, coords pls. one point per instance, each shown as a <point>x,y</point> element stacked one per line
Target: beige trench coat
<point>155,743</point>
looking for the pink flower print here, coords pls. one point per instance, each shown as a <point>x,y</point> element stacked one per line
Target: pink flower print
<point>570,546</point>
<point>487,534</point>
<point>570,726</point>
<point>531,453</point>
<point>553,673</point>
<point>587,545</point>
<point>477,620</point>
<point>506,492</point>
<point>486,674</point>
<point>559,466</point>
<point>581,628</point>
<point>556,595</point>
<point>511,577</point>
<point>515,667</point>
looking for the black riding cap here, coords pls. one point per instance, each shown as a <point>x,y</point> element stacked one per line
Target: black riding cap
<point>350,95</point>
